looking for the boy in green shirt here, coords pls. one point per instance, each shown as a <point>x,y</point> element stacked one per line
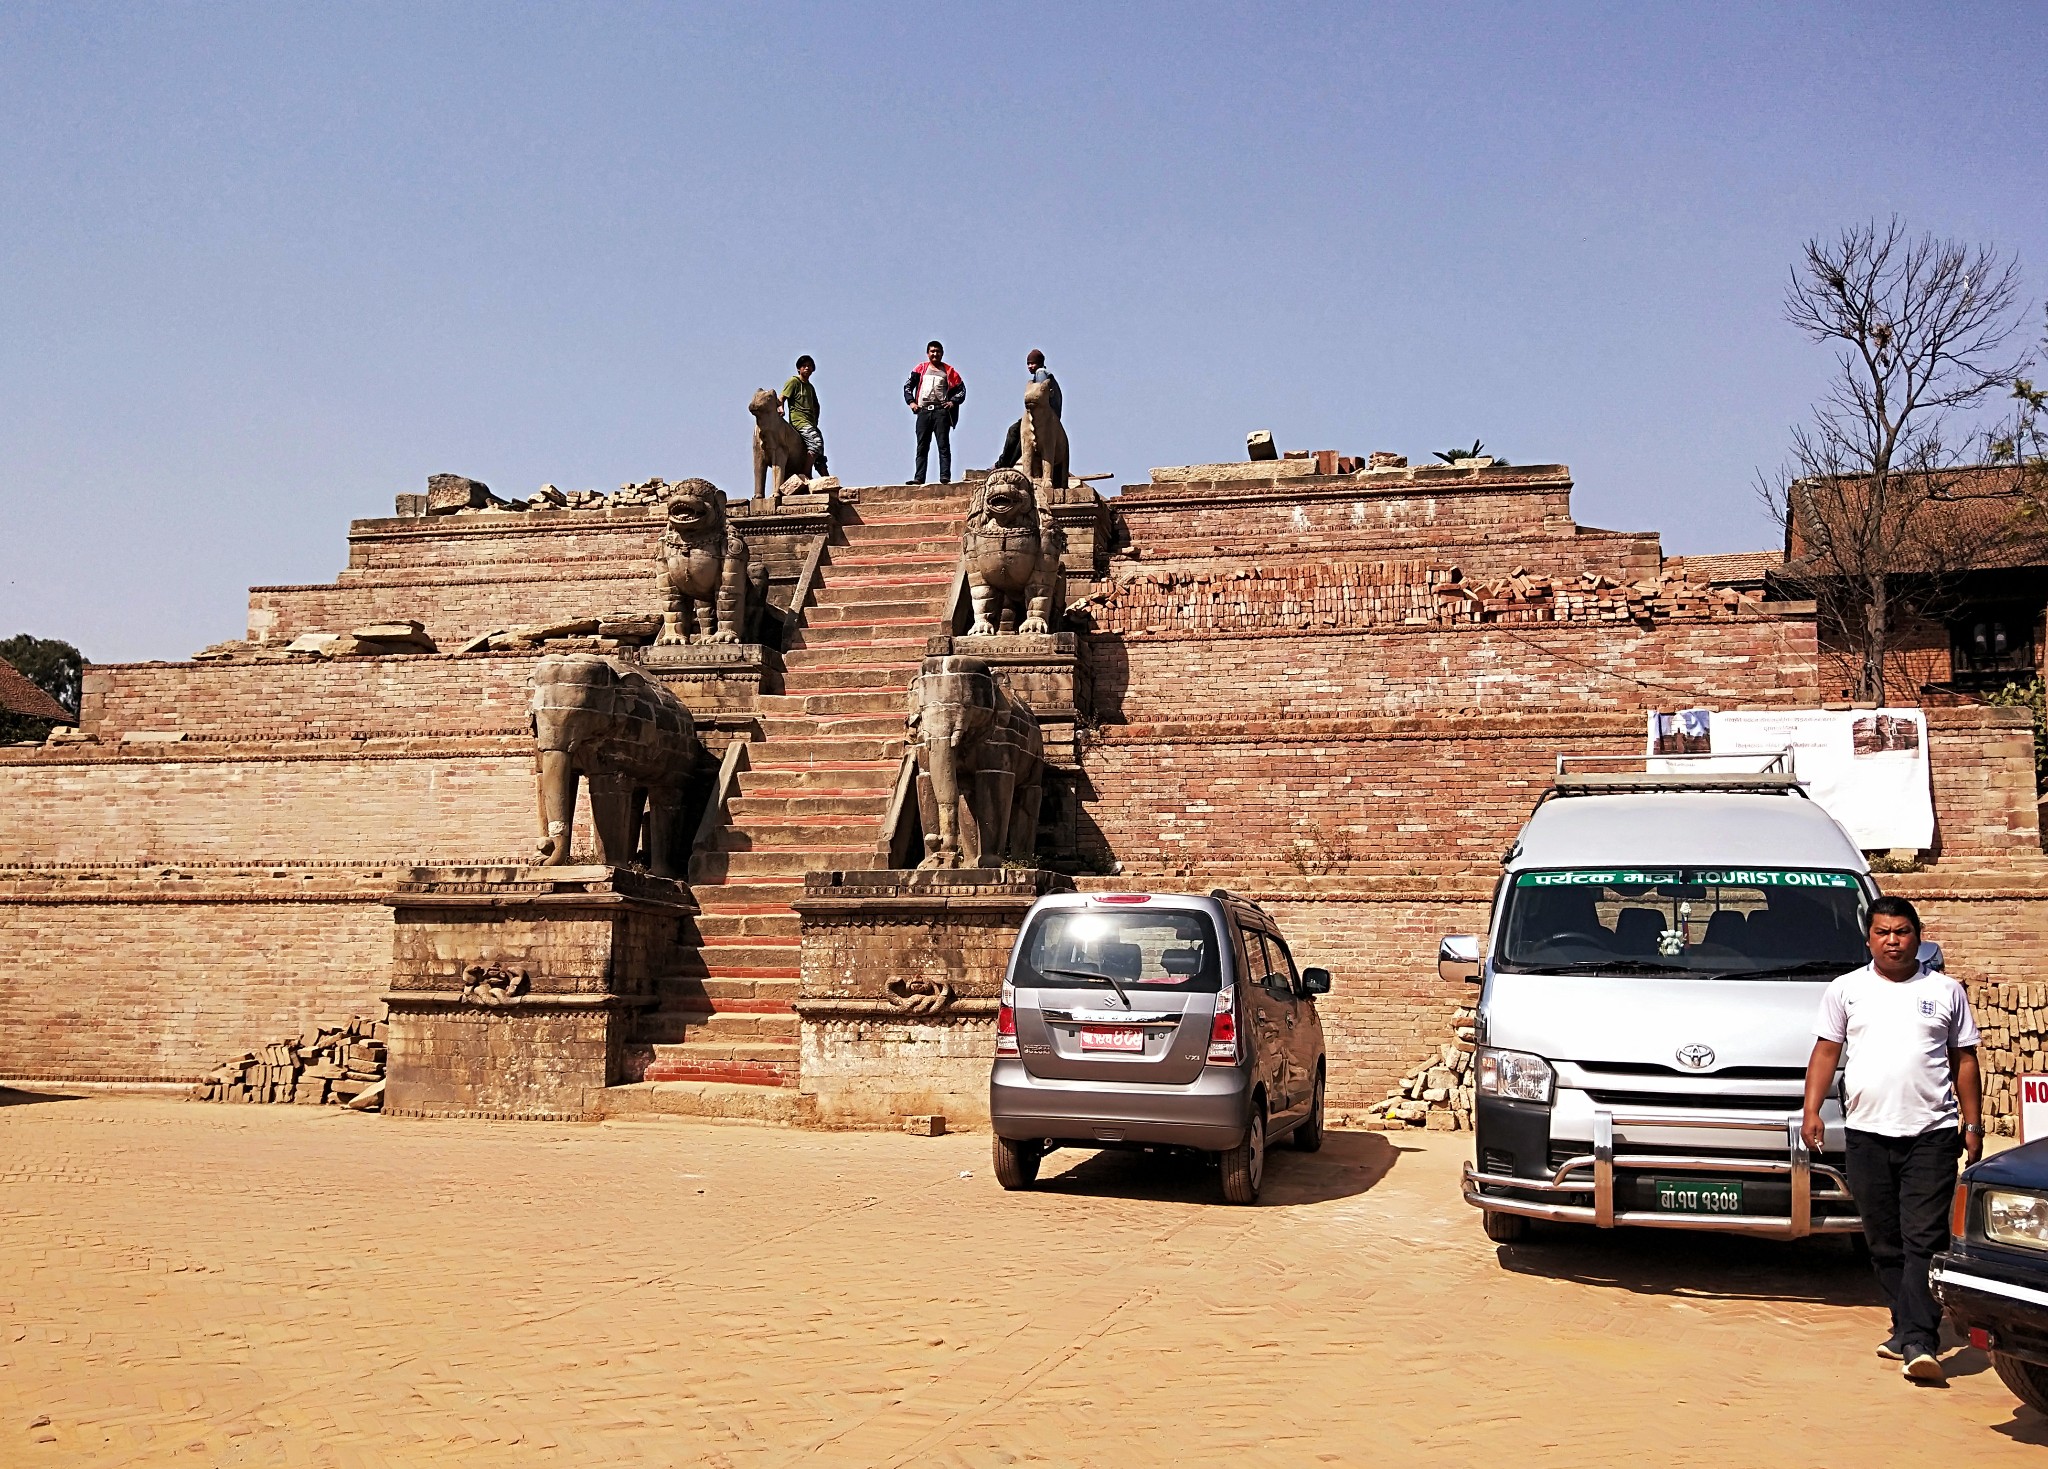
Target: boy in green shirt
<point>801,401</point>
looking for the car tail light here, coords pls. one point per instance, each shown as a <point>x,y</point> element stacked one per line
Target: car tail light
<point>1223,1029</point>
<point>1959,1211</point>
<point>1006,1031</point>
<point>1982,1340</point>
<point>1123,897</point>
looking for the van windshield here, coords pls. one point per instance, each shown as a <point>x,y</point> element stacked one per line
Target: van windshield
<point>1718,922</point>
<point>1152,949</point>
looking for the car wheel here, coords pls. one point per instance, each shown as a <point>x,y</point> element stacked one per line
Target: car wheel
<point>1309,1135</point>
<point>2028,1380</point>
<point>1504,1229</point>
<point>1244,1166</point>
<point>1017,1162</point>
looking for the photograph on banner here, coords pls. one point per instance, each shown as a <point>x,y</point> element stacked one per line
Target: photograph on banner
<point>1866,767</point>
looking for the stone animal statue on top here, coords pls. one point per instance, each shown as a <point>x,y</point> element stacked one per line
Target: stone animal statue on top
<point>1012,556</point>
<point>980,766</point>
<point>779,450</point>
<point>711,592</point>
<point>1041,438</point>
<point>634,743</point>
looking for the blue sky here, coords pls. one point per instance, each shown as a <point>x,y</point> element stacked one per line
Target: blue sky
<point>263,267</point>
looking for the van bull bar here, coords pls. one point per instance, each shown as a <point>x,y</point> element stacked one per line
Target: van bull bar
<point>1594,1173</point>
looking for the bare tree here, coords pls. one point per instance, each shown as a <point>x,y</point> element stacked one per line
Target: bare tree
<point>1919,326</point>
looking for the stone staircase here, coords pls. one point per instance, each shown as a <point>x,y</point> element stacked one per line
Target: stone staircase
<point>812,797</point>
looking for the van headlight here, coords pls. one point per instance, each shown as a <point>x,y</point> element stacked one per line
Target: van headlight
<point>1515,1074</point>
<point>2016,1219</point>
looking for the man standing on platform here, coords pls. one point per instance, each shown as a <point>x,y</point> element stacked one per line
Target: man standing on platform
<point>1035,372</point>
<point>935,393</point>
<point>1911,1102</point>
<point>801,400</point>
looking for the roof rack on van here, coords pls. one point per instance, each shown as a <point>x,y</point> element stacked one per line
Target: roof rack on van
<point>1774,773</point>
<point>1226,895</point>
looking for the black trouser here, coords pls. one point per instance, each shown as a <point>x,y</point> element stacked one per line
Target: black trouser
<point>1013,447</point>
<point>935,423</point>
<point>1903,1186</point>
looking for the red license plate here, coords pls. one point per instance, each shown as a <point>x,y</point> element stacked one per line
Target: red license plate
<point>1112,1040</point>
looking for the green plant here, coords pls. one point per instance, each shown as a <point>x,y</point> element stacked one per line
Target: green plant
<point>1452,456</point>
<point>2033,697</point>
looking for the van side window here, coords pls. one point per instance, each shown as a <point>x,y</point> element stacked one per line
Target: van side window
<point>1271,959</point>
<point>1251,959</point>
<point>1283,963</point>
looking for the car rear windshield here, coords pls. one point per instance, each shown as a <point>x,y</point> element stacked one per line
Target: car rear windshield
<point>1153,948</point>
<point>1726,922</point>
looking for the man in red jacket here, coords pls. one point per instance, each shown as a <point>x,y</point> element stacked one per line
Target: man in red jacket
<point>935,393</point>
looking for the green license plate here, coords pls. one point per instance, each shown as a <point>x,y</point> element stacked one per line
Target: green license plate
<point>1697,1195</point>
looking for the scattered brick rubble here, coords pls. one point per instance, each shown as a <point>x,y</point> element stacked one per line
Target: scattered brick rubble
<point>324,1065</point>
<point>1390,593</point>
<point>1438,1093</point>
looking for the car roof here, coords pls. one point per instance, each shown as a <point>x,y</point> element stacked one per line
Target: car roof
<point>1202,902</point>
<point>1684,829</point>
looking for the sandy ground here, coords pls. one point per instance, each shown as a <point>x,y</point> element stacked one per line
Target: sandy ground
<point>210,1285</point>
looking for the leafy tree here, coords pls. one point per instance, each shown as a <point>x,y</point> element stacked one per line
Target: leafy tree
<point>53,666</point>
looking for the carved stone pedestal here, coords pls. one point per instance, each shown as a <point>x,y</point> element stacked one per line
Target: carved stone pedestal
<point>512,987</point>
<point>710,678</point>
<point>902,972</point>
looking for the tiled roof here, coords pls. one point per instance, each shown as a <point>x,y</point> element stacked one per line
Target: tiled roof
<point>19,696</point>
<point>1981,518</point>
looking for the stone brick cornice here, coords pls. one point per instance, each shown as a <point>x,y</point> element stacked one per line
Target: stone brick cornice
<point>1163,553</point>
<point>1782,614</point>
<point>280,749</point>
<point>1411,483</point>
<point>1454,727</point>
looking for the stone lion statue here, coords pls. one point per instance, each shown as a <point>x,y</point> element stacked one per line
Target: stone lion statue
<point>1012,555</point>
<point>980,765</point>
<point>1041,438</point>
<point>712,594</point>
<point>777,446</point>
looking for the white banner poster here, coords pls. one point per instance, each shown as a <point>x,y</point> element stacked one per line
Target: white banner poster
<point>1866,767</point>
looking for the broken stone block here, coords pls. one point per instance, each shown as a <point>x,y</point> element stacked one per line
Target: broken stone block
<point>928,1125</point>
<point>369,1099</point>
<point>448,493</point>
<point>630,627</point>
<point>1382,459</point>
<point>1259,445</point>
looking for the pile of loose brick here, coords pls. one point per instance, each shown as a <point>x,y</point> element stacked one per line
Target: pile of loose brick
<point>1438,1093</point>
<point>339,1066</point>
<point>1387,593</point>
<point>2012,1018</point>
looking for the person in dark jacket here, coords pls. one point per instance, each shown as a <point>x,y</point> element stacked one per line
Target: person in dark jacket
<point>934,393</point>
<point>1035,372</point>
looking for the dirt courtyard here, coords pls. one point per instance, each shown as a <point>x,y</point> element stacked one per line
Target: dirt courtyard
<point>210,1285</point>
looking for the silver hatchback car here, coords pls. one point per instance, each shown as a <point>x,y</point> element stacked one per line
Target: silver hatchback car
<point>1146,1020</point>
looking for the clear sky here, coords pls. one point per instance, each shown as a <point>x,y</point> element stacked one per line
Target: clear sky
<point>262,267</point>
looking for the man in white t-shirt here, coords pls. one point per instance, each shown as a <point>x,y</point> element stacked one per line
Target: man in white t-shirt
<point>1911,1102</point>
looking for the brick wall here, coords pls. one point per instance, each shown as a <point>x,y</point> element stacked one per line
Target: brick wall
<point>418,694</point>
<point>1536,668</point>
<point>1982,769</point>
<point>389,801</point>
<point>120,976</point>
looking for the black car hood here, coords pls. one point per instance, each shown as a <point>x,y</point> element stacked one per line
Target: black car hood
<point>2023,1167</point>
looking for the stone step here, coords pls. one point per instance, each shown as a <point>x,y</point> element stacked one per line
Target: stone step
<point>843,568</point>
<point>830,777</point>
<point>807,834</point>
<point>879,500</point>
<point>935,537</point>
<point>714,926</point>
<point>835,611</point>
<point>836,726</point>
<point>766,996</point>
<point>903,583</point>
<point>853,676</point>
<point>757,956</point>
<point>891,632</point>
<point>767,1066</point>
<point>737,1029</point>
<point>829,748</point>
<point>736,1101</point>
<point>759,896</point>
<point>849,651</point>
<point>869,804</point>
<point>827,703</point>
<point>713,866</point>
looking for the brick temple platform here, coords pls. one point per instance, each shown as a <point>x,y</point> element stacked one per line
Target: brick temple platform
<point>1339,694</point>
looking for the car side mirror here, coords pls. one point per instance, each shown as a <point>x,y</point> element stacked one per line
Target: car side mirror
<point>1457,958</point>
<point>1931,955</point>
<point>1315,981</point>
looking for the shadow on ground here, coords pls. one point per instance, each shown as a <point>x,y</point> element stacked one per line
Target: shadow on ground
<point>1348,1165</point>
<point>1700,1265</point>
<point>13,1097</point>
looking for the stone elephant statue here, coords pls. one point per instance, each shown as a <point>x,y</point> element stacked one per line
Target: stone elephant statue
<point>635,744</point>
<point>980,766</point>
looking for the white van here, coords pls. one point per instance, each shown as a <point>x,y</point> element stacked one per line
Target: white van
<point>1659,947</point>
